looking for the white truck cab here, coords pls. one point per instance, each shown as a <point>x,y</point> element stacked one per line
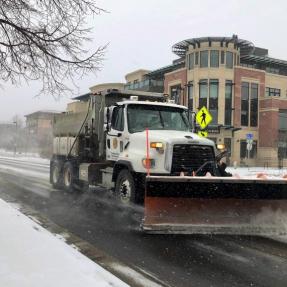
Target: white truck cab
<point>168,126</point>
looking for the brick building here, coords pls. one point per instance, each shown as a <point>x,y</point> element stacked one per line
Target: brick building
<point>39,131</point>
<point>244,89</point>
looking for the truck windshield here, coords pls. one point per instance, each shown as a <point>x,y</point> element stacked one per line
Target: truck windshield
<point>156,117</point>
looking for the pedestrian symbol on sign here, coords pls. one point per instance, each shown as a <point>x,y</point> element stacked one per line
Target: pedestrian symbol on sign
<point>203,116</point>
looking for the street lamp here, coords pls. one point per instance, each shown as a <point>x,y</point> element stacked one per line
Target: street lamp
<point>15,138</point>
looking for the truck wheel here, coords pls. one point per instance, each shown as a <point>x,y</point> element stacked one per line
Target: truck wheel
<point>68,177</point>
<point>56,175</point>
<point>125,187</point>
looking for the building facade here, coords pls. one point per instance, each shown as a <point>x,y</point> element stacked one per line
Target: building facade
<point>39,132</point>
<point>243,88</point>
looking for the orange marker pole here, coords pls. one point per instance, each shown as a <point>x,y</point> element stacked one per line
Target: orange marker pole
<point>147,154</point>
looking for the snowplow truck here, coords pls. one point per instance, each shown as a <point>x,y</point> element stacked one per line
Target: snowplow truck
<point>144,148</point>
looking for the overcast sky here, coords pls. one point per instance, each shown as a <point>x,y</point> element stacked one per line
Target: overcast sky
<point>140,34</point>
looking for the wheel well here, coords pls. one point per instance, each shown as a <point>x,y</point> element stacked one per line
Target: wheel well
<point>120,166</point>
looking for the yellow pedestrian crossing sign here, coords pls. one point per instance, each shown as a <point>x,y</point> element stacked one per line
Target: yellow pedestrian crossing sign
<point>203,134</point>
<point>203,117</point>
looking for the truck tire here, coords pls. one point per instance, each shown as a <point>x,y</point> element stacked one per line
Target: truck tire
<point>56,175</point>
<point>125,187</point>
<point>69,178</point>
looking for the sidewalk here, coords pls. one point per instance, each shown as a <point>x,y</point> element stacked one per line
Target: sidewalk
<point>30,256</point>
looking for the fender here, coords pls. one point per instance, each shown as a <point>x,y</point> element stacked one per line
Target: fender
<point>119,165</point>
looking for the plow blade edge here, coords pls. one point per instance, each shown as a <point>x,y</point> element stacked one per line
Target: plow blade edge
<point>216,205</point>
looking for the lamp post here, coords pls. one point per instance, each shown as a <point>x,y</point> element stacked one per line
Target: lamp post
<point>15,138</point>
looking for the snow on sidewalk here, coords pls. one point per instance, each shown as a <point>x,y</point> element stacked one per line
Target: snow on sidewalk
<point>32,256</point>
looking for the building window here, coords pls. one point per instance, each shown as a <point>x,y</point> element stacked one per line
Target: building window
<point>191,61</point>
<point>196,58</point>
<point>204,59</point>
<point>228,103</point>
<point>229,60</point>
<point>254,105</point>
<point>282,135</point>
<point>203,93</point>
<point>272,92</point>
<point>213,100</point>
<point>190,95</point>
<point>214,58</point>
<point>272,70</point>
<point>222,58</point>
<point>283,120</point>
<point>175,93</point>
<point>244,103</point>
<point>247,65</point>
<point>244,152</point>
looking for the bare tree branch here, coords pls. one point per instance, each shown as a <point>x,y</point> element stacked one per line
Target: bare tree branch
<point>45,40</point>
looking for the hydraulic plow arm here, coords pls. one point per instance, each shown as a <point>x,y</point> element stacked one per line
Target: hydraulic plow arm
<point>215,205</point>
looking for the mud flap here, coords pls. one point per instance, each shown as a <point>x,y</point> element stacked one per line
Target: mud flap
<point>215,205</point>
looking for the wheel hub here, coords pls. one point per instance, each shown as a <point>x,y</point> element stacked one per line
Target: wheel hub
<point>55,174</point>
<point>67,178</point>
<point>125,191</point>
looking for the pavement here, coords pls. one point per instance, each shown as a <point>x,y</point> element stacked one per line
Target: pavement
<point>166,260</point>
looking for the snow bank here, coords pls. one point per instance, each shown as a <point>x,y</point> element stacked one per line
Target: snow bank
<point>253,172</point>
<point>31,157</point>
<point>31,256</point>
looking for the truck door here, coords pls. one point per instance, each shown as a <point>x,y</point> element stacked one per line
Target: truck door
<point>115,134</point>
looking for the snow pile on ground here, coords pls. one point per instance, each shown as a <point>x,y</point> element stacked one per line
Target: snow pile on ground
<point>31,256</point>
<point>254,172</point>
<point>31,157</point>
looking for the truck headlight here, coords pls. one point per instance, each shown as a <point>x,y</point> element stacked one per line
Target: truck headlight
<point>148,163</point>
<point>221,146</point>
<point>159,146</point>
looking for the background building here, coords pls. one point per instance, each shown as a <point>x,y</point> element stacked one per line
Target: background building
<point>243,88</point>
<point>39,132</point>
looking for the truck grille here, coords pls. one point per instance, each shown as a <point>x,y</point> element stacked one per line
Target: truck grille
<point>189,158</point>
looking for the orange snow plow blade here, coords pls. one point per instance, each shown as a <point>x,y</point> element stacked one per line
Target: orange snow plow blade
<point>216,205</point>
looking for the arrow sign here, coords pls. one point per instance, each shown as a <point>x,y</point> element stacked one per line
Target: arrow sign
<point>203,134</point>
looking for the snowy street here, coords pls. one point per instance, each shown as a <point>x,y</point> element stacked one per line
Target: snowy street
<point>135,258</point>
